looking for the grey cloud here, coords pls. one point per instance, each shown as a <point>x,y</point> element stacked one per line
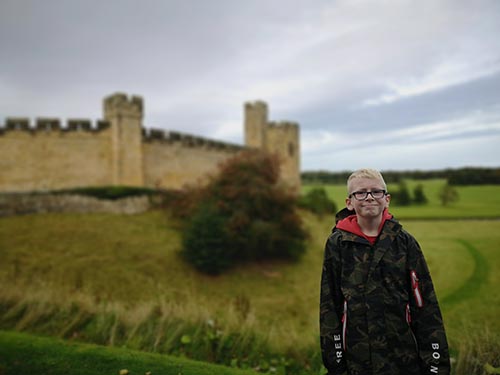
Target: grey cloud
<point>196,62</point>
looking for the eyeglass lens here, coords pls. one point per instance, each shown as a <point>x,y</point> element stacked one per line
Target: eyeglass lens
<point>362,195</point>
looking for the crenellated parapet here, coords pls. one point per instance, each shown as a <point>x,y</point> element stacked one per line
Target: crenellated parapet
<point>47,124</point>
<point>121,104</point>
<point>186,140</point>
<point>285,125</point>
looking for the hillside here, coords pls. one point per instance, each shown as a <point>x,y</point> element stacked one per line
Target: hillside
<point>117,280</point>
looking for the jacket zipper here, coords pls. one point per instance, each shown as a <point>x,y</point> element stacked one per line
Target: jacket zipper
<point>344,325</point>
<point>416,289</point>
<point>408,320</point>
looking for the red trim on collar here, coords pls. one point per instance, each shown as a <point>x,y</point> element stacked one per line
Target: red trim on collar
<point>350,224</point>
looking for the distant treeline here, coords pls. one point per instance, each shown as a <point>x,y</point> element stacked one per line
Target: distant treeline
<point>461,176</point>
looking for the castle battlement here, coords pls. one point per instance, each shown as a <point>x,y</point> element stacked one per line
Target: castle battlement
<point>283,124</point>
<point>258,105</point>
<point>44,124</point>
<point>188,140</point>
<point>120,102</point>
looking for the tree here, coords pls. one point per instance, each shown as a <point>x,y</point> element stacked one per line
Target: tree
<point>448,194</point>
<point>402,196</point>
<point>419,196</point>
<point>252,214</point>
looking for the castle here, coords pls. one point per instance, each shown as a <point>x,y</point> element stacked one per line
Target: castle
<point>119,150</point>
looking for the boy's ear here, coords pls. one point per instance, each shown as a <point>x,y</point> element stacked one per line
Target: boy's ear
<point>348,204</point>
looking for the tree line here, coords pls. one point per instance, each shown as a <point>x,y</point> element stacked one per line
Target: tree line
<point>460,176</point>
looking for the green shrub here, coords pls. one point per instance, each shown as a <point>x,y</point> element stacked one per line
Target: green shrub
<point>243,214</point>
<point>205,241</point>
<point>316,200</point>
<point>109,192</point>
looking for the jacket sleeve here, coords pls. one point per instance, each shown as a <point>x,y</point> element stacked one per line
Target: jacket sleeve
<point>426,320</point>
<point>332,350</point>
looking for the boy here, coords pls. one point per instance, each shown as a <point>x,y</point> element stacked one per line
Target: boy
<point>379,313</point>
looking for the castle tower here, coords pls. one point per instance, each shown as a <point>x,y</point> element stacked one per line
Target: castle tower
<point>280,138</point>
<point>255,124</point>
<point>125,116</point>
<point>283,140</point>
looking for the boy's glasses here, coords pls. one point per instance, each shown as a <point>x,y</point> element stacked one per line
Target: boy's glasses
<point>362,195</point>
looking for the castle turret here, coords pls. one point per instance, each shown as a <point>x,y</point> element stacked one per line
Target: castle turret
<point>255,124</point>
<point>281,139</point>
<point>125,116</point>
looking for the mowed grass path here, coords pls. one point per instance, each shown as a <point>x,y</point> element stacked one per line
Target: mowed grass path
<point>464,259</point>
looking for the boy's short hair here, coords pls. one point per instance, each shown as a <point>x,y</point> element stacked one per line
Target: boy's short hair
<point>365,173</point>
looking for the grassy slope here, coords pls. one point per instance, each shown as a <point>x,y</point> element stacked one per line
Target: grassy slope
<point>130,264</point>
<point>26,354</point>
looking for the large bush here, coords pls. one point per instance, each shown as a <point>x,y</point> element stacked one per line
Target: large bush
<point>243,214</point>
<point>205,242</point>
<point>316,200</point>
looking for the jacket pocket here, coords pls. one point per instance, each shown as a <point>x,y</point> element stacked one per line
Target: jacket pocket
<point>344,325</point>
<point>416,289</point>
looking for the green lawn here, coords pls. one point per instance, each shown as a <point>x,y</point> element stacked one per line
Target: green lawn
<point>24,354</point>
<point>118,280</point>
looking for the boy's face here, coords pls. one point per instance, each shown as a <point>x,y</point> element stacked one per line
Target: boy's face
<point>369,207</point>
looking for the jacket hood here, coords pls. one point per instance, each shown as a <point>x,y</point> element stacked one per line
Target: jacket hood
<point>342,214</point>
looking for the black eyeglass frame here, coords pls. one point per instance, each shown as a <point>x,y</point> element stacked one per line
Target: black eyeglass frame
<point>365,194</point>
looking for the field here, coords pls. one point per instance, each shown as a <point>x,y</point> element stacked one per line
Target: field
<point>118,280</point>
<point>474,201</point>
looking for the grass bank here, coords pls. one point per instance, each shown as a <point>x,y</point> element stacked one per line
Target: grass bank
<point>27,354</point>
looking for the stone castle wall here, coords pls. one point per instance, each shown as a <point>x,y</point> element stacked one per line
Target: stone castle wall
<point>119,150</point>
<point>53,157</point>
<point>185,159</point>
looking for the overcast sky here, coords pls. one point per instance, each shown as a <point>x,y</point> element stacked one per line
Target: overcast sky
<point>385,84</point>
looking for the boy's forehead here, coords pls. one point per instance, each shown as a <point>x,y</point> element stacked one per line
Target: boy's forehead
<point>365,182</point>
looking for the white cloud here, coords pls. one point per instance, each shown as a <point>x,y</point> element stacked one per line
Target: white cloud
<point>449,143</point>
<point>448,73</point>
<point>452,153</point>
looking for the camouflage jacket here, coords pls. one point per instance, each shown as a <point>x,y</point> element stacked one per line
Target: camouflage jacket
<point>378,310</point>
